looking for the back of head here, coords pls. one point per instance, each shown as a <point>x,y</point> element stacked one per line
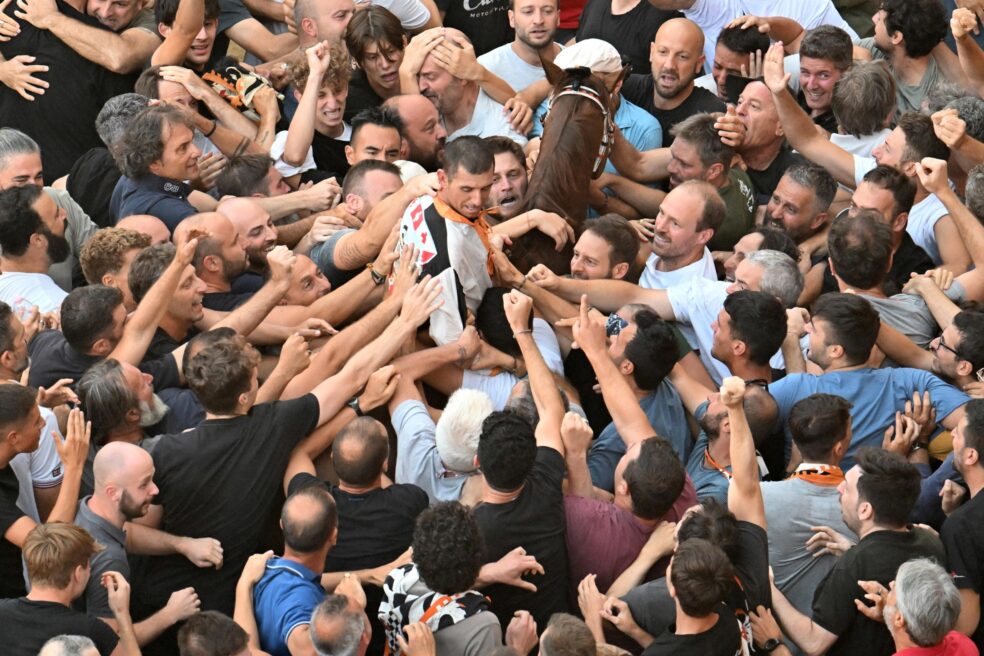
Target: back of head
<point>336,76</point>
<point>469,155</point>
<point>620,235</point>
<point>506,450</point>
<point>974,192</point>
<point>891,179</point>
<point>245,175</point>
<point>889,483</point>
<point>714,212</point>
<point>52,551</point>
<point>206,339</point>
<point>69,645</point>
<point>652,350</point>
<point>655,479</point>
<point>759,320</point>
<point>448,548</point>
<point>860,249</point>
<point>818,180</point>
<point>142,142</point>
<point>460,427</point>
<point>359,452</point>
<point>922,24</point>
<point>379,116</point>
<point>373,26</point>
<point>830,43</point>
<point>567,635</point>
<point>817,423</point>
<point>920,138</point>
<point>220,373</point>
<point>928,600</point>
<point>776,239</point>
<point>701,575</point>
<point>355,179</point>
<point>19,221</point>
<point>781,276</point>
<point>491,322</point>
<point>970,323</point>
<point>743,42</point>
<point>309,519</point>
<point>87,315</point>
<point>698,131</point>
<point>210,633</point>
<point>864,98</point>
<point>971,110</point>
<point>116,114</point>
<point>147,267</point>
<point>104,252</point>
<point>105,398</point>
<point>851,322</point>
<point>13,142</point>
<point>973,432</point>
<point>7,328</point>
<point>714,523</point>
<point>335,629</point>
<point>762,412</point>
<point>16,403</point>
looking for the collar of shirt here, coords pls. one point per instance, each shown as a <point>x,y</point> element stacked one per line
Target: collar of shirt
<point>115,532</point>
<point>291,567</point>
<point>175,188</point>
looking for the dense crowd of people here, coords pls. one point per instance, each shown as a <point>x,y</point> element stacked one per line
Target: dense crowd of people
<point>283,371</point>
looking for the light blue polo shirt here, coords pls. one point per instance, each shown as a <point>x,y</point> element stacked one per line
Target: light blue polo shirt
<point>283,600</point>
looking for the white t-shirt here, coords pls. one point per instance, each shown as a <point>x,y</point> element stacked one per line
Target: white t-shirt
<point>285,169</point>
<point>922,225</point>
<point>504,62</point>
<point>500,386</point>
<point>412,13</point>
<point>696,305</point>
<point>40,468</point>
<point>22,290</point>
<point>712,16</point>
<point>488,120</point>
<point>860,146</point>
<point>653,279</point>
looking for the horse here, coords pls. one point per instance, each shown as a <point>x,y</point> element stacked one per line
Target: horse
<point>578,134</point>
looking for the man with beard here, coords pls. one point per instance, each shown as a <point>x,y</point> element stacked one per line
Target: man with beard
<point>518,63</point>
<point>668,93</point>
<point>124,490</point>
<point>32,236</point>
<point>961,532</point>
<point>423,129</point>
<point>510,178</point>
<point>124,47</point>
<point>259,234</point>
<point>219,258</point>
<point>799,207</point>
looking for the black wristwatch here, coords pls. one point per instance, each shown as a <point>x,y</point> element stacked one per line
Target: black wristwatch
<point>354,404</point>
<point>770,645</point>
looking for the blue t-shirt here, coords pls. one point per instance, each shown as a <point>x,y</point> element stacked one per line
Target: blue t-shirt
<point>876,394</point>
<point>667,417</point>
<point>283,600</point>
<point>708,482</point>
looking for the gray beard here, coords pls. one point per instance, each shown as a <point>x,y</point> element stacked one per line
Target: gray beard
<point>152,413</point>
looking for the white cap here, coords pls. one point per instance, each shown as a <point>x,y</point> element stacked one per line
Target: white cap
<point>600,56</point>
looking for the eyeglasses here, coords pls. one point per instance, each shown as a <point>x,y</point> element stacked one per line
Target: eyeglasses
<point>615,325</point>
<point>942,344</point>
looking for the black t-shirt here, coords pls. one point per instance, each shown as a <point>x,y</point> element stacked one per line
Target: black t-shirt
<point>329,155</point>
<point>162,344</point>
<point>826,120</point>
<point>534,520</point>
<point>373,529</point>
<point>222,480</point>
<point>249,282</point>
<point>91,182</point>
<point>486,23</point>
<point>963,537</point>
<point>231,12</point>
<point>722,639</point>
<point>639,89</point>
<point>764,182</point>
<point>11,574</point>
<point>360,95</point>
<point>28,624</point>
<point>53,358</point>
<point>908,259</point>
<point>63,119</point>
<point>224,301</point>
<point>875,558</point>
<point>630,33</point>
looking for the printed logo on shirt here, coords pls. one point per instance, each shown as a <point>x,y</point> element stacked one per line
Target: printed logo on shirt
<point>171,188</point>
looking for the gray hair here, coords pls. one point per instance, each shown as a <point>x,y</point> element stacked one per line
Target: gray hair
<point>974,191</point>
<point>116,114</point>
<point>67,645</point>
<point>142,142</point>
<point>14,142</point>
<point>105,398</point>
<point>345,640</point>
<point>863,98</point>
<point>816,178</point>
<point>942,94</point>
<point>971,110</point>
<point>928,600</point>
<point>781,276</point>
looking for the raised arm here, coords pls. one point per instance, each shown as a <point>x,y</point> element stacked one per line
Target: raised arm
<point>645,166</point>
<point>606,295</point>
<point>903,350</point>
<point>745,491</point>
<point>799,129</point>
<point>258,40</point>
<point>188,22</point>
<point>301,130</point>
<point>692,393</point>
<point>546,395</point>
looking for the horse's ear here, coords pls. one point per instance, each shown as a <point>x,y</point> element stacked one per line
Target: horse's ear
<point>554,73</point>
<point>622,75</point>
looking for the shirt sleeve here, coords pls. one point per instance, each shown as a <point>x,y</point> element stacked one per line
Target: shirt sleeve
<point>833,607</point>
<point>277,153</point>
<point>46,466</point>
<point>412,13</point>
<point>546,341</point>
<point>104,637</point>
<point>415,443</point>
<point>295,419</point>
<point>303,480</point>
<point>297,610</point>
<point>946,398</point>
<point>96,597</point>
<point>232,12</point>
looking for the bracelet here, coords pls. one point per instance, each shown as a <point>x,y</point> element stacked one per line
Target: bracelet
<point>377,278</point>
<point>212,131</point>
<point>520,286</point>
<point>916,447</point>
<point>521,332</point>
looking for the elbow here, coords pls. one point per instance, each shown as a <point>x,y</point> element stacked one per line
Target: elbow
<point>121,63</point>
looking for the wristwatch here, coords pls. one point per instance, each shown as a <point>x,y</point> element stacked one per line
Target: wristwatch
<point>354,404</point>
<point>770,645</point>
<point>377,278</point>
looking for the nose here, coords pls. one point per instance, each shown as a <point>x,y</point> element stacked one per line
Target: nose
<point>202,35</point>
<point>154,490</point>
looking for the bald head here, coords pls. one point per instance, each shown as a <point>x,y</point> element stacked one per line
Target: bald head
<point>254,224</point>
<point>682,31</point>
<point>124,482</point>
<point>148,225</point>
<point>676,56</point>
<point>118,461</point>
<point>309,520</point>
<point>359,452</point>
<point>220,256</point>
